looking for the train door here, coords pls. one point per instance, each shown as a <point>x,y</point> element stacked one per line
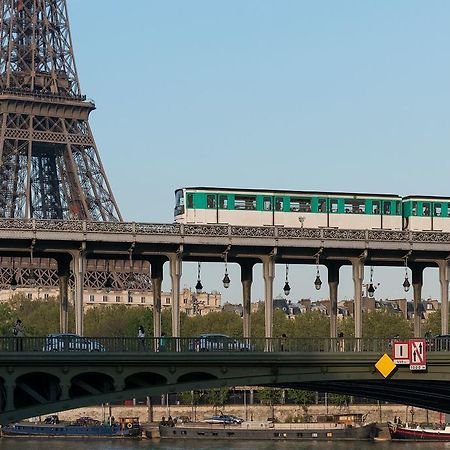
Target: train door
<point>222,208</point>
<point>211,211</point>
<point>267,210</point>
<point>278,211</point>
<point>323,208</point>
<point>377,214</point>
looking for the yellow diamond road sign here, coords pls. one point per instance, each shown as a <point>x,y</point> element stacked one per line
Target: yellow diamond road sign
<point>385,365</point>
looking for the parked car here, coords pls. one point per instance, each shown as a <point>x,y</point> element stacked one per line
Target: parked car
<point>224,419</point>
<point>213,342</point>
<point>69,342</point>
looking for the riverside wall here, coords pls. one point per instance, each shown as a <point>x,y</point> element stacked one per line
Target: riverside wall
<point>282,413</point>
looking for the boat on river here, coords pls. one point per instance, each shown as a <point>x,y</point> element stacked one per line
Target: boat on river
<point>417,432</point>
<point>85,427</point>
<point>327,427</point>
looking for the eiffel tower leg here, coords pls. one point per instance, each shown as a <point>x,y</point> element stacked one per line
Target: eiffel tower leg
<point>63,276</point>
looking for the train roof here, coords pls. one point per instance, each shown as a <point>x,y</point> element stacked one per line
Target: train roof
<point>426,197</point>
<point>279,191</point>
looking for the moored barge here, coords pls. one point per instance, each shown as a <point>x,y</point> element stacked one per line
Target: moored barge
<point>326,428</point>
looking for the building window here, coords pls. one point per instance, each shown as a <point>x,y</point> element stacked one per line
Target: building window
<point>91,298</point>
<point>130,299</point>
<point>105,298</point>
<point>167,300</point>
<point>142,299</point>
<point>30,296</point>
<point>118,299</point>
<point>46,296</point>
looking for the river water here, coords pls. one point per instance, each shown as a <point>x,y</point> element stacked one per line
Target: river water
<point>91,444</point>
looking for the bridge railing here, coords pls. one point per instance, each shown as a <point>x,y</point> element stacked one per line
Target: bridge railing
<point>212,343</point>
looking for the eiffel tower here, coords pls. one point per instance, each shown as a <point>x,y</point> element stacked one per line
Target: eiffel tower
<point>49,164</point>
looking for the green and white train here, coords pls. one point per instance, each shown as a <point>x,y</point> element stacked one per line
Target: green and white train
<point>201,205</point>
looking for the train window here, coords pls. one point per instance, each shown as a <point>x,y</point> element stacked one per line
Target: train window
<point>375,206</point>
<point>211,201</point>
<point>179,202</point>
<point>267,204</point>
<point>437,210</point>
<point>294,204</point>
<point>334,205</point>
<point>190,200</point>
<point>322,205</point>
<point>305,205</point>
<point>355,206</point>
<point>414,209</point>
<point>247,202</point>
<point>425,209</point>
<point>387,208</point>
<point>223,201</point>
<point>279,204</point>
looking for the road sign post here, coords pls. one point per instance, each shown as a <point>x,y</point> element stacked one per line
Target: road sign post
<point>418,354</point>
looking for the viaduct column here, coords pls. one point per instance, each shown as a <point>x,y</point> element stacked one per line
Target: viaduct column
<point>269,275</point>
<point>63,280</point>
<point>417,282</point>
<point>175,274</point>
<point>443,279</point>
<point>157,277</point>
<point>79,262</point>
<point>358,276</point>
<point>246,279</point>
<point>333,282</point>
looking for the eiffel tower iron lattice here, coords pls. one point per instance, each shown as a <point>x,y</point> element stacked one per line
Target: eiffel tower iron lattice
<point>49,164</point>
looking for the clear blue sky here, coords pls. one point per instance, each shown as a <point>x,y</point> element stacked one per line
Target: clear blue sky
<point>324,95</point>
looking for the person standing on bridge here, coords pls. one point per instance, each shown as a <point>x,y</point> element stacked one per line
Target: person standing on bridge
<point>17,331</point>
<point>141,337</point>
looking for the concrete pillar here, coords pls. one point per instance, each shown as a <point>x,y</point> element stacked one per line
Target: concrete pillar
<point>9,387</point>
<point>175,275</point>
<point>246,279</point>
<point>417,283</point>
<point>443,279</point>
<point>269,275</point>
<point>79,263</point>
<point>358,276</point>
<point>157,277</point>
<point>333,282</point>
<point>63,280</point>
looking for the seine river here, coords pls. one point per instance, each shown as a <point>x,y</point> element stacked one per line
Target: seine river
<point>69,444</point>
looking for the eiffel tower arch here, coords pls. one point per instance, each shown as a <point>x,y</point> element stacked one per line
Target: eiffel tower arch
<point>50,167</point>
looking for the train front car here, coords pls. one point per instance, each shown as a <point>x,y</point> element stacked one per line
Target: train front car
<point>422,213</point>
<point>290,209</point>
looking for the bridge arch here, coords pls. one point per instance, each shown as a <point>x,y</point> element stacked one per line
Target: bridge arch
<point>36,388</point>
<point>91,383</point>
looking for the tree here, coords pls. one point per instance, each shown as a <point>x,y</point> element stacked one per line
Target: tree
<point>340,400</point>
<point>217,397</point>
<point>270,397</point>
<point>302,398</point>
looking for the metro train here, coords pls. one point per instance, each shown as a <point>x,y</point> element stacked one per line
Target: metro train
<point>205,205</point>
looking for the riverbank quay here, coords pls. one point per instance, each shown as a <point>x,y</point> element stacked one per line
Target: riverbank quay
<point>282,413</point>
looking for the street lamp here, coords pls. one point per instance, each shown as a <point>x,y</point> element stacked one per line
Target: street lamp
<point>13,282</point>
<point>198,286</point>
<point>287,288</point>
<point>226,279</point>
<point>318,281</point>
<point>371,287</point>
<point>406,283</point>
<point>109,281</point>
